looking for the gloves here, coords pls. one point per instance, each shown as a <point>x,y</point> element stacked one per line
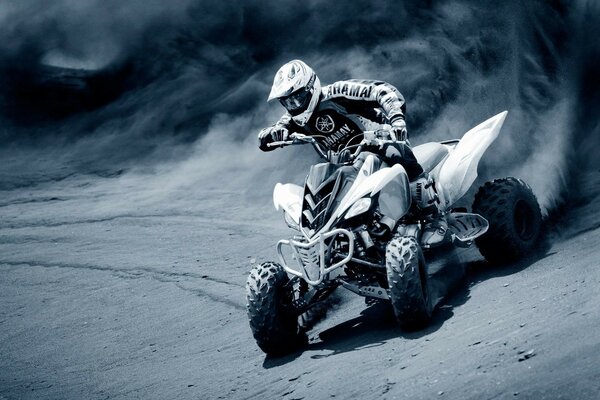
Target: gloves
<point>270,135</point>
<point>279,133</point>
<point>399,130</point>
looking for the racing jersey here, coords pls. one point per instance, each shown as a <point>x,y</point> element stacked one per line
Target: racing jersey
<point>344,110</point>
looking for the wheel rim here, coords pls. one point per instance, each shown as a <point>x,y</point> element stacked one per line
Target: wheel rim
<point>524,220</point>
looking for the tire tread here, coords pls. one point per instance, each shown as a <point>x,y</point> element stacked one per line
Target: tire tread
<point>493,201</point>
<point>403,260</point>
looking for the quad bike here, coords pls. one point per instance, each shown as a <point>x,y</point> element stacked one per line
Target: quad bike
<point>358,226</point>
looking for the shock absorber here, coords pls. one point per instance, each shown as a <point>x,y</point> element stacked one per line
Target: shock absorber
<point>359,245</point>
<point>366,237</point>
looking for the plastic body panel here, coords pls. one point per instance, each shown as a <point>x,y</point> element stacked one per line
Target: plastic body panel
<point>288,197</point>
<point>459,170</point>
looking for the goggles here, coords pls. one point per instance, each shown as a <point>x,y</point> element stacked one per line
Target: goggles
<point>296,101</point>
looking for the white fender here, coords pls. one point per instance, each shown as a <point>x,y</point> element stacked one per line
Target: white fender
<point>459,171</point>
<point>367,183</point>
<point>289,198</point>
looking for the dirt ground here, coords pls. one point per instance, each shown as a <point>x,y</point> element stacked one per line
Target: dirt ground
<point>150,304</point>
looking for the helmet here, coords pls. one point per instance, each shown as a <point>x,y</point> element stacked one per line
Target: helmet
<point>298,89</point>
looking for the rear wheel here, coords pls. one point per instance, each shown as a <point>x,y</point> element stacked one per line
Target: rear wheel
<point>407,280</point>
<point>272,318</point>
<point>515,219</point>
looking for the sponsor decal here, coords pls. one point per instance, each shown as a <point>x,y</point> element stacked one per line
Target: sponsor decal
<point>325,124</point>
<point>336,137</point>
<point>350,89</point>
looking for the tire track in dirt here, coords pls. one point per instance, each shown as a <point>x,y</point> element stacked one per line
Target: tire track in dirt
<point>211,293</point>
<point>199,218</point>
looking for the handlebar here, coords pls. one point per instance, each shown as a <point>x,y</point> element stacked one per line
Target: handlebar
<point>300,138</point>
<point>353,155</point>
<point>297,138</point>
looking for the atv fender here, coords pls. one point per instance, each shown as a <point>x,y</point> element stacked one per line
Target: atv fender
<point>392,182</point>
<point>289,198</point>
<point>459,171</point>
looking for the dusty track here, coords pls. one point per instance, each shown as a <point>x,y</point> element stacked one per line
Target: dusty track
<point>151,305</point>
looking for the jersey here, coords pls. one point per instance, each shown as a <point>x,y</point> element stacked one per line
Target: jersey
<point>344,110</point>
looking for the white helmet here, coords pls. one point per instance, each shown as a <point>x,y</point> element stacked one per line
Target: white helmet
<point>298,89</point>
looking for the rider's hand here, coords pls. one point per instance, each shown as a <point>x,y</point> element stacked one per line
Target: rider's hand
<point>270,135</point>
<point>279,134</point>
<point>264,138</point>
<point>399,131</point>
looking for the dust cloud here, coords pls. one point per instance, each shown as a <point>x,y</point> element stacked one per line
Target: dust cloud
<point>192,96</point>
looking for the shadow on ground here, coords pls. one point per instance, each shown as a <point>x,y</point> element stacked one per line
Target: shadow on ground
<point>450,284</point>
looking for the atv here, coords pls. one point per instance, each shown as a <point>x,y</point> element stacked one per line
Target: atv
<point>358,226</point>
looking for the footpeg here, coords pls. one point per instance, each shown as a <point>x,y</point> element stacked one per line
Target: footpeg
<point>367,291</point>
<point>466,227</point>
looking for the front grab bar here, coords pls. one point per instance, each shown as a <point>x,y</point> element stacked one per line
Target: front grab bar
<point>309,254</point>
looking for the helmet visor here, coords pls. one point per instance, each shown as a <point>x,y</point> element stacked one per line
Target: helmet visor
<point>296,102</point>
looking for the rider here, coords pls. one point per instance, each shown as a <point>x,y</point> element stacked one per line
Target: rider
<point>336,115</point>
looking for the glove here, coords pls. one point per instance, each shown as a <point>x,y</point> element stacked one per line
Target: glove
<point>399,130</point>
<point>279,133</point>
<point>270,135</point>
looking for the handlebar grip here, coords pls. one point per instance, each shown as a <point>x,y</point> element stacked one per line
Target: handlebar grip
<point>278,144</point>
<point>296,139</point>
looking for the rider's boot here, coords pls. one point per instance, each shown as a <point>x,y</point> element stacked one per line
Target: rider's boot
<point>427,200</point>
<point>434,230</point>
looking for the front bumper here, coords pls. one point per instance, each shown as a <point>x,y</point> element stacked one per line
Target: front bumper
<point>313,256</point>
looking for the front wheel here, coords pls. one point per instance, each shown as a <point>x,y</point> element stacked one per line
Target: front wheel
<point>273,321</point>
<point>515,219</point>
<point>407,280</point>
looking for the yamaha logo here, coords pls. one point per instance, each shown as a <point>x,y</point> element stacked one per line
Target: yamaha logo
<point>325,124</point>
